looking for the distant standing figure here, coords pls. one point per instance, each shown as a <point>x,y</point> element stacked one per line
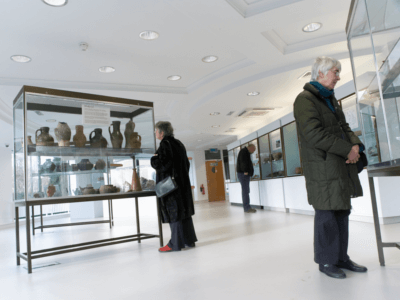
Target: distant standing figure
<point>177,208</point>
<point>245,171</point>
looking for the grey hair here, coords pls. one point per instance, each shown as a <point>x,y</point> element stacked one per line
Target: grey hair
<point>324,64</point>
<point>251,145</point>
<point>166,127</point>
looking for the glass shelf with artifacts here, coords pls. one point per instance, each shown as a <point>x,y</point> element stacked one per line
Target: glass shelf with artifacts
<point>71,145</point>
<point>277,158</point>
<point>265,157</point>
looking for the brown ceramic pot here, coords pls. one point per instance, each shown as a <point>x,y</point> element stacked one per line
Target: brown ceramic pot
<point>108,188</point>
<point>30,140</point>
<point>63,134</point>
<point>79,137</point>
<point>116,135</point>
<point>100,164</point>
<point>135,140</point>
<point>44,138</point>
<point>129,129</point>
<point>97,141</point>
<point>136,181</point>
<point>277,156</point>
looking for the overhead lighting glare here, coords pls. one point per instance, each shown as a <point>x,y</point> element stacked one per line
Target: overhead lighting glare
<point>253,94</point>
<point>149,35</point>
<point>51,120</point>
<point>174,77</point>
<point>56,3</point>
<point>312,27</point>
<point>214,114</point>
<point>106,69</point>
<point>209,59</point>
<point>20,58</point>
<point>215,126</point>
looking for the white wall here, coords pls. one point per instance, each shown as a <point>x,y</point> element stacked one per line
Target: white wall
<point>200,175</point>
<point>6,183</point>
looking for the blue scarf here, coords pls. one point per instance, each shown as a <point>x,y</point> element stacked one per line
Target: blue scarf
<point>325,93</point>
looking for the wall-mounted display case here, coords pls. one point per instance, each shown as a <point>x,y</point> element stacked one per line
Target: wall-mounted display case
<point>373,32</point>
<point>255,160</point>
<point>292,151</point>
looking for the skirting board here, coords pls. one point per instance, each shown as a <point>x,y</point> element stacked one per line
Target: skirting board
<point>37,220</point>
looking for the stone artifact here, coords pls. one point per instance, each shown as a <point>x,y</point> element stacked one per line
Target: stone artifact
<point>48,166</point>
<point>116,136</point>
<point>30,140</point>
<point>97,141</point>
<point>51,189</point>
<point>129,129</point>
<point>108,188</point>
<point>135,141</point>
<point>100,164</point>
<point>44,138</point>
<point>79,138</point>
<point>88,190</point>
<point>85,165</point>
<point>63,134</point>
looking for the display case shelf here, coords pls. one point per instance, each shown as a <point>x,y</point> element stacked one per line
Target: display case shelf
<point>70,173</point>
<point>86,151</point>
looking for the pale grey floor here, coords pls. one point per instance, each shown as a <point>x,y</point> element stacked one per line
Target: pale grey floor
<point>267,255</point>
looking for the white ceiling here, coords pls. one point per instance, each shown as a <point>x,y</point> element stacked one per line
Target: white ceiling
<point>265,51</point>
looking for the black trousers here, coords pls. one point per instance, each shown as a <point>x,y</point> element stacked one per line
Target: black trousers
<point>182,233</point>
<point>331,236</point>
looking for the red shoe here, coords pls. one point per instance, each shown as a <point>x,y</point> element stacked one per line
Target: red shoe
<point>166,248</point>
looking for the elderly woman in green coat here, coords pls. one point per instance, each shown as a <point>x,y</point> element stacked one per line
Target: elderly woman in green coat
<point>329,152</point>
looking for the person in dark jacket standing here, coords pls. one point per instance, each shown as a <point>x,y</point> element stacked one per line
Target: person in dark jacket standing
<point>245,171</point>
<point>177,207</point>
<point>329,151</point>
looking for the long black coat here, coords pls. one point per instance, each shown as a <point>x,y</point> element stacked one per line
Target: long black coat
<point>179,204</point>
<point>244,163</point>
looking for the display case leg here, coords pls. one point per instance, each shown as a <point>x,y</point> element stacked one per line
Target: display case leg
<point>376,221</point>
<point>33,219</point>
<point>41,218</point>
<point>160,233</point>
<point>112,213</point>
<point>137,218</point>
<point>109,212</point>
<point>28,240</point>
<point>17,233</point>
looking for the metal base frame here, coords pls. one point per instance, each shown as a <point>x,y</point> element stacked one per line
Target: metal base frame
<point>29,254</point>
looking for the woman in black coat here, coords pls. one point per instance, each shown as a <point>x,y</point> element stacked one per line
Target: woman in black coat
<point>177,208</point>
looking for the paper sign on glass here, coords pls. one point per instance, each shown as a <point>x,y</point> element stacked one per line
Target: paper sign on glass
<point>95,115</point>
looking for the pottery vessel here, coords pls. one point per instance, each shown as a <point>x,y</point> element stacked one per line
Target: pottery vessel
<point>44,138</point>
<point>30,140</point>
<point>38,195</point>
<point>48,166</point>
<point>136,181</point>
<point>277,156</point>
<point>88,190</point>
<point>116,136</point>
<point>51,189</point>
<point>57,162</point>
<point>85,165</point>
<point>97,141</point>
<point>74,167</point>
<point>63,134</point>
<point>135,140</point>
<point>129,129</point>
<point>79,138</point>
<point>100,164</point>
<point>108,188</point>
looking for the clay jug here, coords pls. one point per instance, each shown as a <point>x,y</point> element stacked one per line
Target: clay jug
<point>51,189</point>
<point>44,138</point>
<point>79,137</point>
<point>63,134</point>
<point>30,140</point>
<point>116,136</point>
<point>129,129</point>
<point>136,140</point>
<point>97,141</point>
<point>136,181</point>
<point>100,164</point>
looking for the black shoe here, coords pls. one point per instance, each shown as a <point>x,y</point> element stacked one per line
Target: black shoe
<point>251,211</point>
<point>332,271</point>
<point>352,266</point>
<point>192,245</point>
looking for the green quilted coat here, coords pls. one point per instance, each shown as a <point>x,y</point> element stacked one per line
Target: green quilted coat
<point>330,182</point>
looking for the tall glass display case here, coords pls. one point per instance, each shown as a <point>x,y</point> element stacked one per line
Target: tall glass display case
<point>232,166</point>
<point>275,141</point>
<point>373,32</point>
<point>292,153</point>
<point>255,160</point>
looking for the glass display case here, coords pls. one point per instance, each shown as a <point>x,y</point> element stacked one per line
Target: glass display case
<point>265,157</point>
<point>74,145</point>
<point>232,166</point>
<point>373,32</point>
<point>275,142</point>
<point>292,153</point>
<point>255,160</point>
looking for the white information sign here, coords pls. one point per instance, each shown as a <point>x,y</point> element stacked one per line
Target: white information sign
<point>95,115</point>
<point>351,116</point>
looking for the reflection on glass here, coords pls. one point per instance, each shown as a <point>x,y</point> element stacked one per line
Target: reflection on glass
<point>255,160</point>
<point>232,166</point>
<point>265,157</point>
<point>292,154</point>
<point>19,158</point>
<point>276,153</point>
<point>236,154</point>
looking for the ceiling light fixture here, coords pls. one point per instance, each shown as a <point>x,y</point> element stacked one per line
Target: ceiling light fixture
<point>209,59</point>
<point>312,27</point>
<point>20,58</point>
<point>215,126</point>
<point>214,114</point>
<point>149,35</point>
<point>174,77</point>
<point>106,69</point>
<point>253,94</point>
<point>56,3</point>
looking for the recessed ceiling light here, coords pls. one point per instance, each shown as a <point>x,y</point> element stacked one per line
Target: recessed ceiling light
<point>149,35</point>
<point>253,94</point>
<point>106,69</point>
<point>199,140</point>
<point>215,126</point>
<point>214,114</point>
<point>210,58</point>
<point>312,27</point>
<point>20,58</point>
<point>174,77</point>
<point>51,120</point>
<point>56,3</point>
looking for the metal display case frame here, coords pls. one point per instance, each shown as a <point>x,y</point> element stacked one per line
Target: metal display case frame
<point>31,150</point>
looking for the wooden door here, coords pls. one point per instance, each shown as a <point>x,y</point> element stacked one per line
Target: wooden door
<point>215,181</point>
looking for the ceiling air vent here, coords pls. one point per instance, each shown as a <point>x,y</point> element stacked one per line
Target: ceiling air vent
<point>305,75</point>
<point>230,113</point>
<point>254,112</point>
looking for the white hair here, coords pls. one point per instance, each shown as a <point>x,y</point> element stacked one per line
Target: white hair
<point>324,64</point>
<point>251,145</point>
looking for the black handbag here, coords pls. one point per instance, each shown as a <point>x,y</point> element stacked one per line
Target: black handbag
<point>168,184</point>
<point>362,162</point>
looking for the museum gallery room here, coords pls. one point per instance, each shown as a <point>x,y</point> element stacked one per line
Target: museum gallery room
<point>199,149</point>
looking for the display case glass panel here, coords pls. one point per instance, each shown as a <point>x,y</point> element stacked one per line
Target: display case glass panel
<point>373,39</point>
<point>265,157</point>
<point>292,153</point>
<point>255,160</point>
<point>275,142</point>
<point>85,146</point>
<point>19,149</point>
<point>232,166</point>
<point>236,154</point>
